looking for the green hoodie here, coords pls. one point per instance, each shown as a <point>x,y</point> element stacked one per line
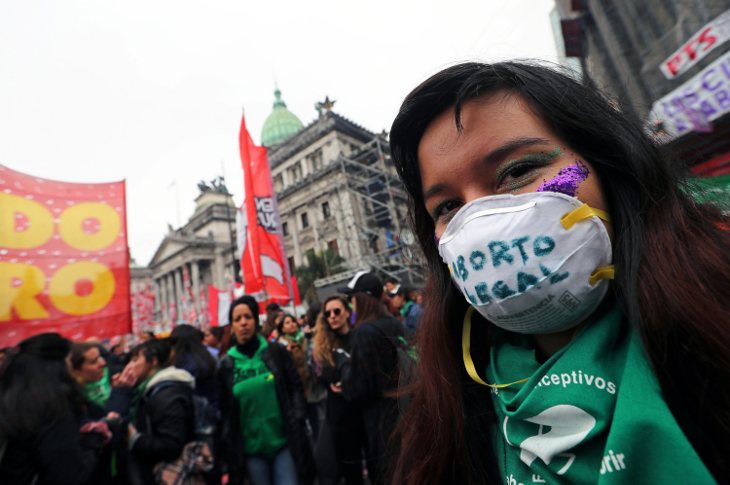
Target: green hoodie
<point>262,425</point>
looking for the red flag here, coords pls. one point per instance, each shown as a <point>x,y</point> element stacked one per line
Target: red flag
<point>265,268</point>
<point>213,305</point>
<point>295,287</point>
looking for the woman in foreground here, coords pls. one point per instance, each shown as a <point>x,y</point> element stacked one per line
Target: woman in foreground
<point>577,326</point>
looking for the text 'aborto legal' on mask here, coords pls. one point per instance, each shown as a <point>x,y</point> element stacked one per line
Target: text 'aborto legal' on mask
<point>533,263</point>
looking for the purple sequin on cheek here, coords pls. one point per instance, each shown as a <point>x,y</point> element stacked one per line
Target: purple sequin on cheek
<point>567,180</point>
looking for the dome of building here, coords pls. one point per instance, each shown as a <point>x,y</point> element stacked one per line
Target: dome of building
<point>281,123</point>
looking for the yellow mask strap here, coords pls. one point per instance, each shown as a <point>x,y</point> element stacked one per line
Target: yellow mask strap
<point>469,363</point>
<point>607,272</point>
<point>582,213</point>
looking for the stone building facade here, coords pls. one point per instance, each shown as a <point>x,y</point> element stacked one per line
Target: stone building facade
<point>190,258</point>
<point>337,189</point>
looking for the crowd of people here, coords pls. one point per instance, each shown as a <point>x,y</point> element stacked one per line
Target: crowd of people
<point>574,330</point>
<point>271,398</point>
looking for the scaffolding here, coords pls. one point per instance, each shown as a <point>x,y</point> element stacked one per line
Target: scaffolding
<point>378,213</point>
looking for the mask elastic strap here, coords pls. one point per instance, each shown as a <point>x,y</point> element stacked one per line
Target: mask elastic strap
<point>466,354</point>
<point>607,272</point>
<point>582,213</point>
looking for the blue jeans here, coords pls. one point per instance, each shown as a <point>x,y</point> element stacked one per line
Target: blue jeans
<point>278,470</point>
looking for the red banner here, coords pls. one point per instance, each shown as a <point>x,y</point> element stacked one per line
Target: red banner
<point>64,264</point>
<point>266,273</point>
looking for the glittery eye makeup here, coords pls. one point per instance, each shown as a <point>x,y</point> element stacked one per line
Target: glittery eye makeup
<point>517,171</point>
<point>567,180</point>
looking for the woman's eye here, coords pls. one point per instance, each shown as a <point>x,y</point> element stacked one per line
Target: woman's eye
<point>517,176</point>
<point>445,210</point>
<point>514,174</point>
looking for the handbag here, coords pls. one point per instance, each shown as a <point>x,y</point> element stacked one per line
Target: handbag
<point>189,469</point>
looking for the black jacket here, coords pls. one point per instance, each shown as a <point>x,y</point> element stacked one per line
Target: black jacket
<point>370,380</point>
<point>58,454</point>
<point>165,421</point>
<point>290,394</point>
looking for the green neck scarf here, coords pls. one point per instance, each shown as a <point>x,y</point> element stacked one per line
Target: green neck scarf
<point>98,392</point>
<point>592,413</point>
<point>297,338</point>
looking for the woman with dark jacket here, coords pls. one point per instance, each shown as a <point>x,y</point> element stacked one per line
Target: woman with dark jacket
<point>189,353</point>
<point>263,406</point>
<point>41,417</point>
<point>340,447</point>
<point>370,378</point>
<point>162,412</point>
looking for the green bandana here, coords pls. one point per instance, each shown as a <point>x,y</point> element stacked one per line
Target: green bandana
<point>98,392</point>
<point>592,413</point>
<point>297,338</point>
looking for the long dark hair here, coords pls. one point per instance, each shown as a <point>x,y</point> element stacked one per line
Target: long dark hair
<point>189,352</point>
<point>159,349</point>
<point>368,308</point>
<point>36,387</point>
<point>670,254</point>
<point>280,326</point>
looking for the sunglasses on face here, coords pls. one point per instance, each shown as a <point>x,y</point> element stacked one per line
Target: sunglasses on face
<point>336,312</point>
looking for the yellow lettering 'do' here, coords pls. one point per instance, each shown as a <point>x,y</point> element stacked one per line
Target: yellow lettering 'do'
<point>23,297</point>
<point>40,226</point>
<point>72,232</point>
<point>62,289</point>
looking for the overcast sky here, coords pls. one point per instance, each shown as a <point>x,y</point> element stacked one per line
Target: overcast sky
<point>152,91</point>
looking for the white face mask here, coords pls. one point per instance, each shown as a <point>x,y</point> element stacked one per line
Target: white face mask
<point>533,263</point>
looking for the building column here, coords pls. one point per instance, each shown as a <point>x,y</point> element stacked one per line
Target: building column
<point>195,276</point>
<point>163,298</point>
<point>177,275</point>
<point>158,301</point>
<point>169,284</point>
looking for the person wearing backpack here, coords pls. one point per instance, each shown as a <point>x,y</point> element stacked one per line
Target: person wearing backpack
<point>263,407</point>
<point>190,353</point>
<point>162,413</point>
<point>370,377</point>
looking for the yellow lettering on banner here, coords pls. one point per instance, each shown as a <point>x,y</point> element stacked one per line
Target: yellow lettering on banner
<point>62,289</point>
<point>23,296</point>
<point>40,225</point>
<point>72,232</point>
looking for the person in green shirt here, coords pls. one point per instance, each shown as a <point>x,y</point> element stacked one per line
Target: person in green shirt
<point>90,371</point>
<point>575,328</point>
<point>263,407</point>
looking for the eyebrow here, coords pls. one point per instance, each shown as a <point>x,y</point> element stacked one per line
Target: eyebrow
<point>493,157</point>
